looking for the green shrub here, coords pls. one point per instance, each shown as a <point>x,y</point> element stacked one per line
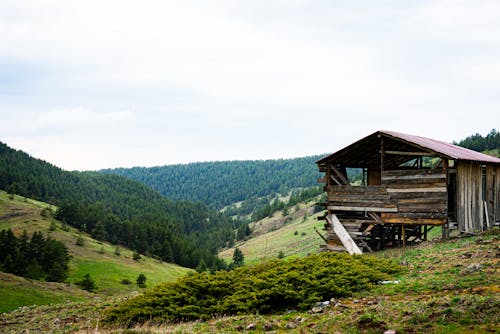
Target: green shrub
<point>270,287</point>
<point>80,241</point>
<point>87,283</point>
<point>141,281</point>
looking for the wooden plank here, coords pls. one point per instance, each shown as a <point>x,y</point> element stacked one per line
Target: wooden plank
<point>407,172</point>
<point>421,210</point>
<point>357,189</point>
<point>375,217</point>
<point>416,190</point>
<point>496,198</point>
<point>418,185</point>
<point>418,196</point>
<point>361,208</point>
<point>356,196</point>
<point>414,177</point>
<point>414,220</point>
<point>419,154</point>
<point>342,234</point>
<point>340,175</point>
<point>486,215</point>
<point>361,203</point>
<point>490,195</point>
<point>426,181</point>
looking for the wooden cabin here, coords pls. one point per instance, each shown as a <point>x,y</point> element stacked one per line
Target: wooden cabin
<point>389,189</point>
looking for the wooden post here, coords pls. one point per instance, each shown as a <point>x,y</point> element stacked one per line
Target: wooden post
<point>381,155</point>
<point>403,236</point>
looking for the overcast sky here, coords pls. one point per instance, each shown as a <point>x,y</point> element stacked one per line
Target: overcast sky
<point>95,84</point>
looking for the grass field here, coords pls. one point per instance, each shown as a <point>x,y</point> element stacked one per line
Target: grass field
<point>447,287</point>
<point>99,259</point>
<point>294,235</point>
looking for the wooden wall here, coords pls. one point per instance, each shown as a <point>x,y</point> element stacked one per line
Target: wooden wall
<point>420,196</point>
<point>496,193</point>
<point>470,206</point>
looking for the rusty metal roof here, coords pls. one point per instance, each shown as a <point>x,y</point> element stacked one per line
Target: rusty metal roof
<point>439,148</point>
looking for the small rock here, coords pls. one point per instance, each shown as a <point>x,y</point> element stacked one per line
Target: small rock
<point>251,327</point>
<point>239,328</point>
<point>355,301</point>
<point>390,331</point>
<point>298,319</point>
<point>268,327</point>
<point>317,310</point>
<point>291,325</point>
<point>473,268</point>
<point>333,301</point>
<point>271,332</point>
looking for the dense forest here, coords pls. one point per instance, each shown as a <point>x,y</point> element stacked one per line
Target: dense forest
<point>120,210</point>
<point>36,257</point>
<point>479,143</point>
<point>218,184</point>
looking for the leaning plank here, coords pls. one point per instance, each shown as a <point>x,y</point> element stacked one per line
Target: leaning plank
<point>342,234</point>
<point>361,208</point>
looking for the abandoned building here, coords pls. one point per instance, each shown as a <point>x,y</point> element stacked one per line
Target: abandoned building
<point>390,189</point>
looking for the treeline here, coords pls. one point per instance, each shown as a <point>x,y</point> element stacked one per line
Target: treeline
<point>479,143</point>
<point>36,257</point>
<point>161,239</point>
<point>295,198</point>
<point>120,210</point>
<point>218,184</point>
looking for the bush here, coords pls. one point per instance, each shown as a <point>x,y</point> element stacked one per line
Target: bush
<point>141,281</point>
<point>136,256</point>
<point>87,283</point>
<point>80,241</point>
<point>126,281</point>
<point>270,287</point>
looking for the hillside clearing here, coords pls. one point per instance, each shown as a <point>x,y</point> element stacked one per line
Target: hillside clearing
<point>107,264</point>
<point>294,235</point>
<point>449,287</point>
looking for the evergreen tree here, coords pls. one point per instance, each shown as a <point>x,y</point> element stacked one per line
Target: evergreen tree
<point>87,283</point>
<point>238,257</point>
<point>141,280</point>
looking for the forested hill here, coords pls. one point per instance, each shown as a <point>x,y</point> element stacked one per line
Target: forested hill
<point>218,184</point>
<point>489,144</point>
<point>117,209</point>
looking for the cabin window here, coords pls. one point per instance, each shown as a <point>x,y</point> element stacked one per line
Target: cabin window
<point>423,162</point>
<point>356,176</point>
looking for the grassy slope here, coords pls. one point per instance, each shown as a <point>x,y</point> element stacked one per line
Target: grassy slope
<point>277,233</point>
<point>96,258</point>
<point>449,287</point>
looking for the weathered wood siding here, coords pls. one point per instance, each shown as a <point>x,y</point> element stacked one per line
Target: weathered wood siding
<point>496,192</point>
<point>470,206</point>
<point>405,196</point>
<point>489,200</point>
<point>362,198</point>
<point>420,196</point>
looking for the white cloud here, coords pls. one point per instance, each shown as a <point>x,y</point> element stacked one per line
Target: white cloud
<point>205,81</point>
<point>82,117</point>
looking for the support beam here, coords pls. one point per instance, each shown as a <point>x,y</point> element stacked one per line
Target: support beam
<point>342,234</point>
<point>418,154</point>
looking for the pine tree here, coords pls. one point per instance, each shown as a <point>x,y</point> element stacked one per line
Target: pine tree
<point>87,283</point>
<point>238,257</point>
<point>141,280</point>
